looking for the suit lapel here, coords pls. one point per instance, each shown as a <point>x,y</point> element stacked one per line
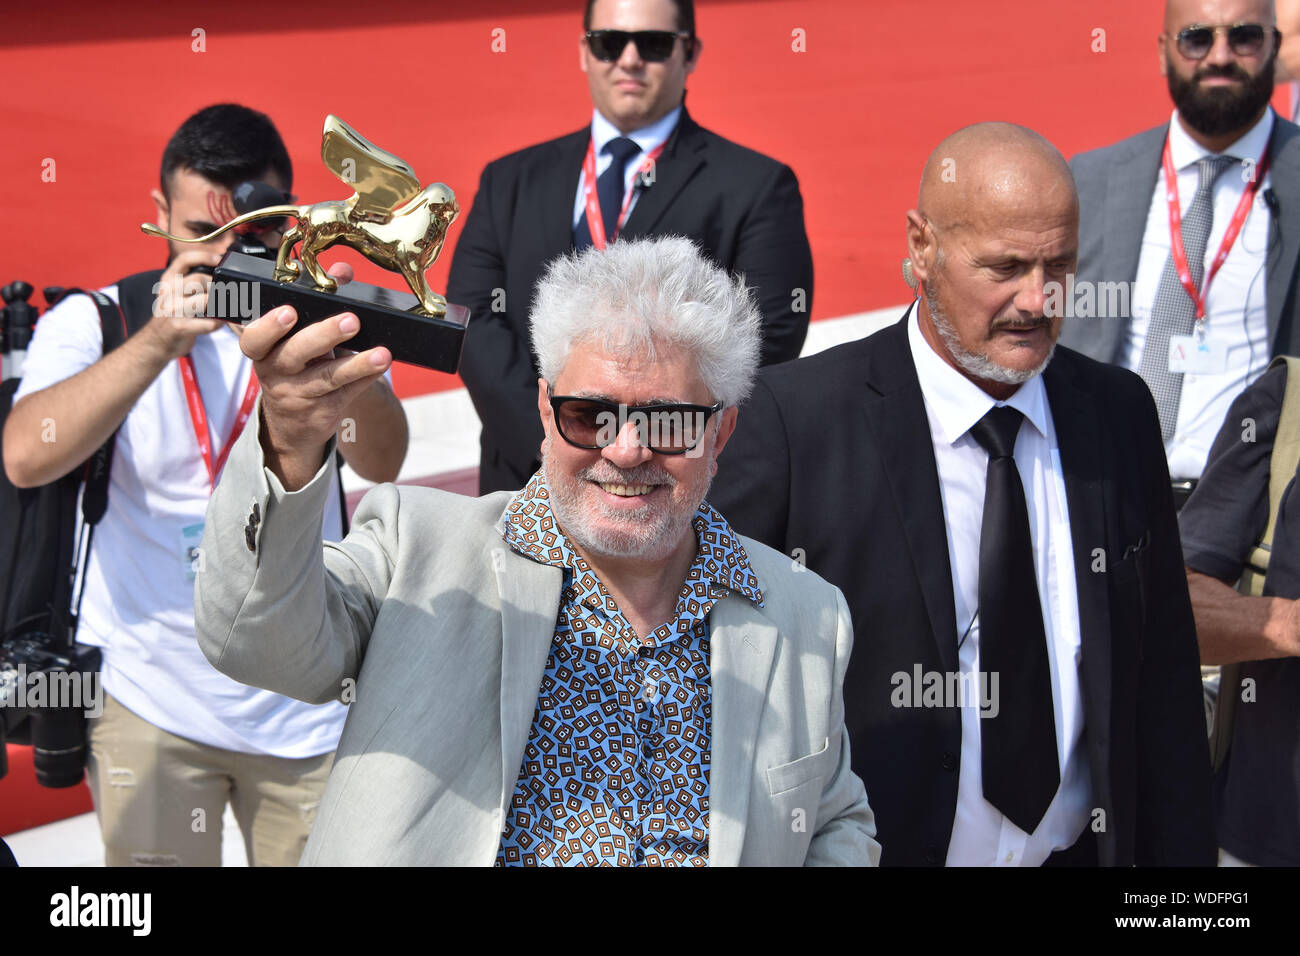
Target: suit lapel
<point>1079,439</point>
<point>742,645</point>
<point>1129,186</point>
<point>1284,244</point>
<point>559,187</point>
<point>897,417</point>
<point>682,158</point>
<point>530,600</point>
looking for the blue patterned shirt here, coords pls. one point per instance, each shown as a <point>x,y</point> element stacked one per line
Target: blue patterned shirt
<point>616,768</point>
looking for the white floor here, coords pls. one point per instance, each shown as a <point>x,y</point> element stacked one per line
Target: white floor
<point>76,842</point>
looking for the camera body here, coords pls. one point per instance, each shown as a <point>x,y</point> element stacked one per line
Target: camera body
<point>249,197</point>
<point>250,244</point>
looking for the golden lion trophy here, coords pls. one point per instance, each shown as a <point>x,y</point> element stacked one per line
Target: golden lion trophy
<point>389,219</point>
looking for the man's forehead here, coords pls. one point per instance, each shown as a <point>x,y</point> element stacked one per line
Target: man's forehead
<point>634,375</point>
<point>1184,13</point>
<point>634,15</point>
<point>187,183</point>
<point>990,173</point>
<point>1056,242</point>
<point>1025,219</point>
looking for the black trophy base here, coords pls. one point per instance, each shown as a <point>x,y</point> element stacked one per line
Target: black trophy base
<point>244,287</point>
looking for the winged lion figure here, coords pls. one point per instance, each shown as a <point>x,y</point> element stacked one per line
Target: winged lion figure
<point>389,219</point>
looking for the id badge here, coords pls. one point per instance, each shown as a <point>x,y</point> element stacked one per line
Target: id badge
<point>191,535</point>
<point>1197,355</point>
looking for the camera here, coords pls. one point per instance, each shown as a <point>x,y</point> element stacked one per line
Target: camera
<point>48,684</point>
<point>249,197</point>
<point>46,692</point>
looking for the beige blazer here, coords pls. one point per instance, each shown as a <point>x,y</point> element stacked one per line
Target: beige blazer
<point>437,634</point>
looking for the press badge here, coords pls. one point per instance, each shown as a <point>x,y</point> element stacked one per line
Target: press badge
<point>191,535</point>
<point>1197,355</point>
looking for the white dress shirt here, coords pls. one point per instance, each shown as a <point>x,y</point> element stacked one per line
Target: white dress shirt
<point>602,131</point>
<point>1236,317</point>
<point>981,835</point>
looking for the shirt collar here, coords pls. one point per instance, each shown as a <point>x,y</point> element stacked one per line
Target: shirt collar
<point>958,403</point>
<point>1185,151</point>
<point>529,528</point>
<point>648,137</point>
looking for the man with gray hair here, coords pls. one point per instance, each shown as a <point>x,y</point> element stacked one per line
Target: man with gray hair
<point>594,669</point>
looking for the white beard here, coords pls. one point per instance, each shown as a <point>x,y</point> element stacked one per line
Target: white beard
<point>977,364</point>
<point>651,533</point>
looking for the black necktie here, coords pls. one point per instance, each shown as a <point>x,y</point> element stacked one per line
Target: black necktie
<point>1018,746</point>
<point>609,190</point>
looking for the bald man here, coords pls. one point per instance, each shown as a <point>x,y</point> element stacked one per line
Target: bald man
<point>1236,176</point>
<point>1024,685</point>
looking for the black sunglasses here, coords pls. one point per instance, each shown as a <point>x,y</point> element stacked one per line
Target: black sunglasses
<point>653,46</point>
<point>666,429</point>
<point>1245,39</point>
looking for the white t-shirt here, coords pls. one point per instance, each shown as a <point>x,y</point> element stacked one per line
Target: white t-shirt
<point>139,591</point>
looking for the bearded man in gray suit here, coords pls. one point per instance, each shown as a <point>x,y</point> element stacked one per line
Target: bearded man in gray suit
<point>595,669</point>
<point>1198,320</point>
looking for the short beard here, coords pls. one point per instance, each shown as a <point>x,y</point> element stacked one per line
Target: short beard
<point>1218,111</point>
<point>651,533</point>
<point>976,364</point>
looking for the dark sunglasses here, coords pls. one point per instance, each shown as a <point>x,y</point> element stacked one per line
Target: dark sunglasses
<point>666,429</point>
<point>653,46</point>
<point>1245,39</point>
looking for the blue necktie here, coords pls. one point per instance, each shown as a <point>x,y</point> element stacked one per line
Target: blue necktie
<point>609,190</point>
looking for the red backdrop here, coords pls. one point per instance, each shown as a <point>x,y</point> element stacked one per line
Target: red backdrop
<point>98,88</point>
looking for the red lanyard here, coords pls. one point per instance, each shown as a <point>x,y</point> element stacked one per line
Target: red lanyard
<point>595,223</point>
<point>1229,237</point>
<point>199,417</point>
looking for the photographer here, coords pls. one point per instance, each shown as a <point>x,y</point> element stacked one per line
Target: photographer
<point>176,738</point>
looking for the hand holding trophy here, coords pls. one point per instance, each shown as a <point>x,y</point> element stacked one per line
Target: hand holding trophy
<point>390,220</point>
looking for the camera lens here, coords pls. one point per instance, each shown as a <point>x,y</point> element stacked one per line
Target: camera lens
<point>59,746</point>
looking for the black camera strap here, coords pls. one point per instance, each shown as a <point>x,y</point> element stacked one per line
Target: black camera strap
<point>117,323</point>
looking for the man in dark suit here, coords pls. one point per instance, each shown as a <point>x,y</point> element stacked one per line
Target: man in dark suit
<point>1257,786</point>
<point>1218,60</point>
<point>1024,684</point>
<point>656,172</point>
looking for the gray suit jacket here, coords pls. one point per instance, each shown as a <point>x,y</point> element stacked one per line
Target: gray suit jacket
<point>439,634</point>
<point>1115,188</point>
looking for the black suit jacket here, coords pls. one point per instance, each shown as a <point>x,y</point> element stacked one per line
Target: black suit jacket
<point>1115,187</point>
<point>832,462</point>
<point>743,208</point>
